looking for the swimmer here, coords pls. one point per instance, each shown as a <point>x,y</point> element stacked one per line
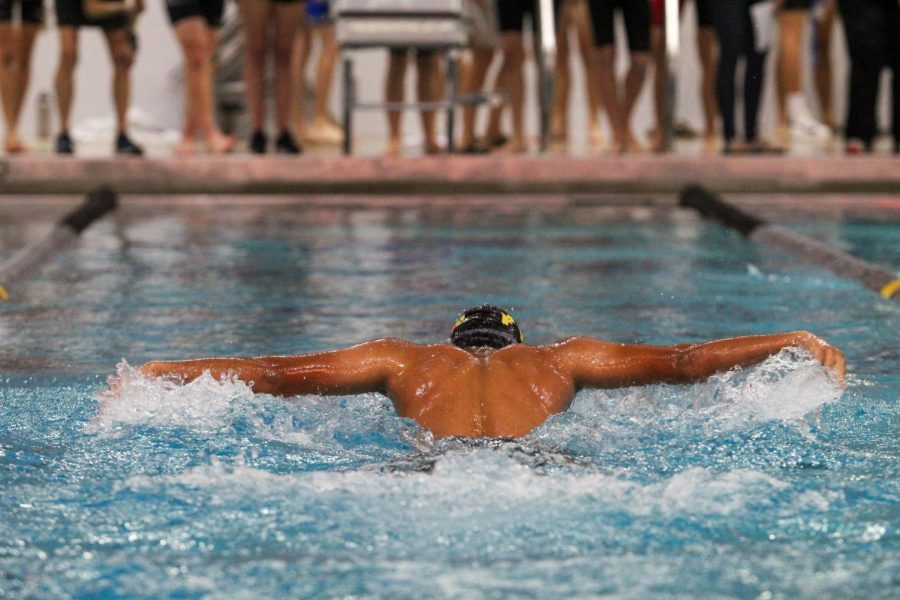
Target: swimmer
<point>486,381</point>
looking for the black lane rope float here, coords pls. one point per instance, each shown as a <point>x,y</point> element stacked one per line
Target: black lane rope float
<point>29,259</point>
<point>711,206</point>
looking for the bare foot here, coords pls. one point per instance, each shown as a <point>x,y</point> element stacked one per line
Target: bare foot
<point>219,143</point>
<point>322,131</point>
<point>710,144</point>
<point>394,147</point>
<point>596,135</point>
<point>186,147</point>
<point>15,146</point>
<point>632,145</point>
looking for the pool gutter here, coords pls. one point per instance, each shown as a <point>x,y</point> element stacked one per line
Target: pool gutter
<point>498,174</point>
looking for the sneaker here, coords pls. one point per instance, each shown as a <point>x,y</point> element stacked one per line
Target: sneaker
<point>285,144</point>
<point>64,144</point>
<point>258,142</point>
<point>125,147</point>
<point>802,124</point>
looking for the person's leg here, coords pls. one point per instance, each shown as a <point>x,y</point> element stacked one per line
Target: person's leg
<point>9,65</point>
<point>892,36</point>
<point>729,18</point>
<point>790,41</point>
<point>637,25</point>
<point>707,49</point>
<point>299,59</point>
<point>473,83</point>
<point>254,17</point>
<point>603,59</point>
<point>393,92</point>
<point>562,81</point>
<point>824,29</point>
<point>120,43</point>
<point>754,77</point>
<point>581,19</point>
<point>64,82</point>
<point>428,89</point>
<point>862,22</point>
<point>514,81</point>
<point>324,127</point>
<point>658,54</point>
<point>287,19</point>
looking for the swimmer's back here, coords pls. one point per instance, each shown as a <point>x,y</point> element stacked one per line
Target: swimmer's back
<point>453,392</point>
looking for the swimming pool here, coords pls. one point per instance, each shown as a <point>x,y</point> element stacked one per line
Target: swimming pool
<point>766,483</point>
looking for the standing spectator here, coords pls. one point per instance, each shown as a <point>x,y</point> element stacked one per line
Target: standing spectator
<point>735,27</point>
<point>116,19</point>
<point>574,15</point>
<point>197,24</point>
<point>620,102</point>
<point>428,88</point>
<point>318,25</point>
<point>873,40</point>
<point>795,119</point>
<point>256,18</point>
<point>16,44</point>
<point>706,48</point>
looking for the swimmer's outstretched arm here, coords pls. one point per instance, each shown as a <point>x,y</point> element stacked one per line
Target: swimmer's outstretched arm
<point>594,363</point>
<point>355,370</point>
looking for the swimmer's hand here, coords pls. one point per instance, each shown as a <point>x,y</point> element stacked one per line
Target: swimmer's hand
<point>830,357</point>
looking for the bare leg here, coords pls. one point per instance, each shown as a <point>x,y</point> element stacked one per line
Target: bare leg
<point>559,111</point>
<point>428,89</point>
<point>393,92</point>
<point>706,48</point>
<point>118,41</point>
<point>606,76</point>
<point>825,27</point>
<point>64,84</point>
<point>790,40</point>
<point>584,31</point>
<point>9,66</point>
<point>254,14</point>
<point>195,39</point>
<point>325,71</point>
<point>473,83</point>
<point>658,54</point>
<point>299,58</point>
<point>513,82</point>
<point>287,19</point>
<point>634,83</point>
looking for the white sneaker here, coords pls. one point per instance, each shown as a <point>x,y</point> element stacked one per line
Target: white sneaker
<point>802,124</point>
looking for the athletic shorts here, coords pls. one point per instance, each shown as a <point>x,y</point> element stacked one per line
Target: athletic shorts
<point>511,13</point>
<point>704,12</point>
<point>636,14</point>
<point>31,12</point>
<point>210,10</point>
<point>70,13</point>
<point>796,5</point>
<point>317,12</point>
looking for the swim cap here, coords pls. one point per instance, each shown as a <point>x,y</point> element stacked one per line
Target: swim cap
<point>485,325</point>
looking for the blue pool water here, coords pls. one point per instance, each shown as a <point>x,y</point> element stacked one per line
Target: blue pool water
<point>764,483</point>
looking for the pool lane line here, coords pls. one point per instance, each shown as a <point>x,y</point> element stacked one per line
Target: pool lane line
<point>711,206</point>
<point>29,259</point>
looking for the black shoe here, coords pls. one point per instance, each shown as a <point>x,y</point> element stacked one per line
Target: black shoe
<point>258,142</point>
<point>125,147</point>
<point>64,144</point>
<point>285,144</point>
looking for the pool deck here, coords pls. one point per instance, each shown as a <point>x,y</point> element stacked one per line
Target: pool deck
<point>494,174</point>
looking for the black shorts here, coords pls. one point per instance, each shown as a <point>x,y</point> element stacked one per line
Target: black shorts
<point>796,5</point>
<point>70,13</point>
<point>31,12</point>
<point>511,13</point>
<point>637,22</point>
<point>210,10</point>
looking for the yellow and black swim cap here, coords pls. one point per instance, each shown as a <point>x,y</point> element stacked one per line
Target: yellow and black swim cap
<point>485,325</point>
